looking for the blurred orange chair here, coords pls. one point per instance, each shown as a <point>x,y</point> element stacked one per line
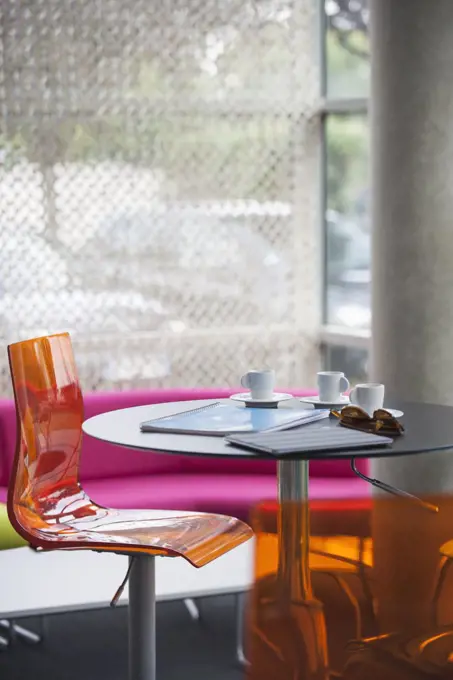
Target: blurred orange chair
<point>397,597</point>
<point>48,507</point>
<point>340,559</point>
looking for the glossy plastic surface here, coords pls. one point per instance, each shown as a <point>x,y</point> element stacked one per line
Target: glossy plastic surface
<point>46,503</point>
<point>386,614</point>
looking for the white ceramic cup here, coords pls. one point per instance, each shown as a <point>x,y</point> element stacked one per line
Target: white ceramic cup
<point>260,383</point>
<point>369,396</point>
<point>331,385</point>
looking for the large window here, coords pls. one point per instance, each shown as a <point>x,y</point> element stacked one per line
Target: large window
<point>346,206</point>
<point>159,185</point>
<point>159,188</point>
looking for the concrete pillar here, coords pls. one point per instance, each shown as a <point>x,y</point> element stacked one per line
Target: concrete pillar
<point>412,211</point>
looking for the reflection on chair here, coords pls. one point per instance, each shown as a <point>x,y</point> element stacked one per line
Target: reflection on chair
<point>340,542</point>
<point>375,576</point>
<point>340,555</point>
<point>47,505</point>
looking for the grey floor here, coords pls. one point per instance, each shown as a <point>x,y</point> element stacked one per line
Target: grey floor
<point>93,645</point>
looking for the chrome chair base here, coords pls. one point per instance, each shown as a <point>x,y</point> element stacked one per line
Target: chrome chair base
<point>16,632</point>
<point>240,615</point>
<point>193,609</point>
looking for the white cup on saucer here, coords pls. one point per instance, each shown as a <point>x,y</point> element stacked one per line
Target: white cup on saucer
<point>369,396</point>
<point>331,385</point>
<point>260,383</point>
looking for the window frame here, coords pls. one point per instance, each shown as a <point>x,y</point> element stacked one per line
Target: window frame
<point>331,334</point>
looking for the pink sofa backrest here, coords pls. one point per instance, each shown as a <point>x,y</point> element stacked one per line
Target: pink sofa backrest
<point>102,460</point>
<point>7,439</point>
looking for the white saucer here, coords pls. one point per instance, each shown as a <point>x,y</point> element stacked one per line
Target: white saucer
<point>246,398</point>
<point>343,401</point>
<point>395,412</point>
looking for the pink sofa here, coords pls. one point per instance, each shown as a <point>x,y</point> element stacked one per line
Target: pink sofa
<point>122,478</point>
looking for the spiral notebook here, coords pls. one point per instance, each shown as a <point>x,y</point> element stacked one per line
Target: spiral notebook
<point>219,419</point>
<point>321,438</point>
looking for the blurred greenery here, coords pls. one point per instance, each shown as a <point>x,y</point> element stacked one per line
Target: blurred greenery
<point>348,64</point>
<point>347,163</point>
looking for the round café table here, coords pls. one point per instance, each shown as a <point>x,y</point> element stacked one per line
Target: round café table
<point>428,427</point>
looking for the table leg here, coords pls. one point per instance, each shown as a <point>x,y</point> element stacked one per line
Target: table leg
<point>142,618</point>
<point>293,578</point>
<point>294,527</point>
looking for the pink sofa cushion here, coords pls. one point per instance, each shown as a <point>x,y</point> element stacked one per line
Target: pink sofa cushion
<point>327,469</point>
<point>7,438</point>
<point>230,494</point>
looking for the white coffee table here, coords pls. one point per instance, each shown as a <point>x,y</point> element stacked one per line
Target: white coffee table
<point>62,581</point>
<point>123,429</point>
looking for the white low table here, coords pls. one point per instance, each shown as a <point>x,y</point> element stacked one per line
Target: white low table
<point>61,581</point>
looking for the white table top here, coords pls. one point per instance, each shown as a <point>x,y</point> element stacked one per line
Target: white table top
<point>428,427</point>
<point>44,583</point>
<point>122,427</point>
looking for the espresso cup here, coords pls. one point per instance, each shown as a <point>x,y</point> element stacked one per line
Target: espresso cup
<point>331,385</point>
<point>369,396</point>
<point>260,383</point>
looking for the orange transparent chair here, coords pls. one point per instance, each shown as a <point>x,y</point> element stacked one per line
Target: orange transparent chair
<point>401,625</point>
<point>288,632</point>
<point>48,507</point>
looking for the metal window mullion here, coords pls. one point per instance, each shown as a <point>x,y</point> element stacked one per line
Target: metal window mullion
<point>346,106</point>
<point>344,337</point>
<point>305,136</point>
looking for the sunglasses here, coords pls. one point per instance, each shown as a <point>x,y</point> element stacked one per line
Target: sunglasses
<point>381,422</point>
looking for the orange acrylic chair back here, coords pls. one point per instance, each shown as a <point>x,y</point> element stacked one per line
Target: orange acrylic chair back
<point>49,411</point>
<point>46,503</point>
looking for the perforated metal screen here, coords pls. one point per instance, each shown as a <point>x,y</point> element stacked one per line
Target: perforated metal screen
<point>158,186</point>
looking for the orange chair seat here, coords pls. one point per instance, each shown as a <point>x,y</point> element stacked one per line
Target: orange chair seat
<point>198,537</point>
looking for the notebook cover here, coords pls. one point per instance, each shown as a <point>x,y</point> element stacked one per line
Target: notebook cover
<point>321,438</point>
<point>219,419</point>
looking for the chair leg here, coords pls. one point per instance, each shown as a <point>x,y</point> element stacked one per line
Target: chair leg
<point>351,598</point>
<point>369,599</point>
<point>4,643</point>
<point>19,632</point>
<point>240,613</point>
<point>142,618</point>
<point>193,609</point>
<point>444,567</point>
<point>25,634</point>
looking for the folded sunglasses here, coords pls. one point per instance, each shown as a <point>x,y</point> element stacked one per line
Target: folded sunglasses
<point>381,422</point>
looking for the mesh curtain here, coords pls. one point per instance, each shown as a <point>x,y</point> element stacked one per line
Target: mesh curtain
<point>158,186</point>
